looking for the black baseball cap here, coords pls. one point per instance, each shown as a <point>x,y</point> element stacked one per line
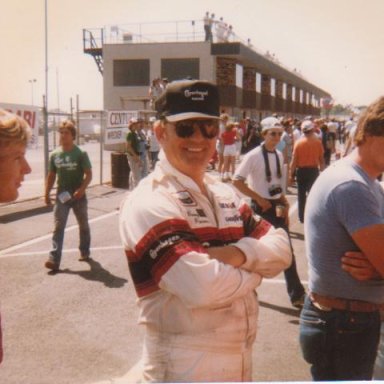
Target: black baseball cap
<point>189,99</point>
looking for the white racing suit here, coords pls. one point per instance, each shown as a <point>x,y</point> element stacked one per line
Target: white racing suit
<point>200,315</point>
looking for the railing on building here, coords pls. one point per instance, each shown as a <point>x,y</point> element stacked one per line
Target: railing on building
<point>159,32</point>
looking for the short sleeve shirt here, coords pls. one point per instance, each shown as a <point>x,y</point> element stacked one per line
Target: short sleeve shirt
<point>133,140</point>
<point>69,167</point>
<point>252,169</point>
<point>343,200</point>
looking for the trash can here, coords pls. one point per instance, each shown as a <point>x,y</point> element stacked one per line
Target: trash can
<point>119,170</point>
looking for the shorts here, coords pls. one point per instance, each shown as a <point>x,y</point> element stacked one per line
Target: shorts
<point>229,150</point>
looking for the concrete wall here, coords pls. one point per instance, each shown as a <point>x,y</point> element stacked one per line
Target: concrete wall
<point>154,52</point>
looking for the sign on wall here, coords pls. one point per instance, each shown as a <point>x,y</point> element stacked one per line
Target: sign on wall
<point>117,126</point>
<point>30,114</point>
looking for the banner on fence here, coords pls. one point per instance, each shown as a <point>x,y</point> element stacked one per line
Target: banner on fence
<point>32,116</point>
<point>117,126</point>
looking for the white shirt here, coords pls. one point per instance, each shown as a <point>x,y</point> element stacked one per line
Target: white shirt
<point>252,169</point>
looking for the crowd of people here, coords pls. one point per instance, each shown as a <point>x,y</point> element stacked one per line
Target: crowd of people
<point>199,244</point>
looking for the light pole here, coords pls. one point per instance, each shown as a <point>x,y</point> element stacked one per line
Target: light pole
<point>31,82</point>
<point>46,146</point>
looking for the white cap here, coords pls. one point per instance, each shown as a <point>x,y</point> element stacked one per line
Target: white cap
<point>132,121</point>
<point>307,126</point>
<point>270,123</point>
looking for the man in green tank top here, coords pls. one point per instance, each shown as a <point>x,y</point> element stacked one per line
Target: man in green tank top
<point>70,166</point>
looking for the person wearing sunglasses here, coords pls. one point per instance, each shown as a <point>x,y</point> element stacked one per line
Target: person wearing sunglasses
<point>260,177</point>
<point>195,252</point>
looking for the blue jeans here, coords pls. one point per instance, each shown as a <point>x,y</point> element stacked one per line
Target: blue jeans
<point>61,212</point>
<point>339,345</point>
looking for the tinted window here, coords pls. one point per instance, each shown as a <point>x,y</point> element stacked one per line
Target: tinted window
<point>177,69</point>
<point>131,72</point>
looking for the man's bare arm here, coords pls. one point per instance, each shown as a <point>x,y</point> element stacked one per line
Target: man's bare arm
<point>370,241</point>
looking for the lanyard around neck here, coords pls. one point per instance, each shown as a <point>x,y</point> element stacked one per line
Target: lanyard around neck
<point>268,173</point>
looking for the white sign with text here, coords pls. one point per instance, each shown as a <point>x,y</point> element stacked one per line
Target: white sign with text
<point>117,126</point>
<point>30,114</point>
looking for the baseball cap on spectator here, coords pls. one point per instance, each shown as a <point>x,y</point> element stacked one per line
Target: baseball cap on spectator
<point>132,121</point>
<point>189,99</point>
<point>307,126</point>
<point>270,123</point>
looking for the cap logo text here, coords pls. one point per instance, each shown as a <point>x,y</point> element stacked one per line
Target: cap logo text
<point>196,95</point>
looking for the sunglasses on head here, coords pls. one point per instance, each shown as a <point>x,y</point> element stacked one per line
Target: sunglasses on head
<point>209,128</point>
<point>276,133</point>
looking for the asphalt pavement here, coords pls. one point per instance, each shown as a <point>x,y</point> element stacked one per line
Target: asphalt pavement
<point>80,325</point>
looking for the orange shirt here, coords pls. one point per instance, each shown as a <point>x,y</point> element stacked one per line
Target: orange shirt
<point>308,151</point>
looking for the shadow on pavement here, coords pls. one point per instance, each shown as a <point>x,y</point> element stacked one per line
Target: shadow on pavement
<point>286,311</point>
<point>296,235</point>
<point>98,273</point>
<point>25,213</point>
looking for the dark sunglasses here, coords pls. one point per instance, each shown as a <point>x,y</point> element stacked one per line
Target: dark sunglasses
<point>209,128</point>
<point>276,133</point>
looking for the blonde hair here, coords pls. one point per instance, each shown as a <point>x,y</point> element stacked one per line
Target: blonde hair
<point>13,129</point>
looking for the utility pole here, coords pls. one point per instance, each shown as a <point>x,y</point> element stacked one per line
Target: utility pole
<point>46,146</point>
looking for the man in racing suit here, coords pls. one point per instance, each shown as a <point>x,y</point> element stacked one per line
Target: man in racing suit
<point>195,251</point>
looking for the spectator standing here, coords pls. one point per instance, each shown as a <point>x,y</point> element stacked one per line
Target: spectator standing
<point>229,138</point>
<point>207,27</point>
<point>308,159</point>
<point>14,136</point>
<point>340,321</point>
<point>296,131</point>
<point>252,138</point>
<point>133,153</point>
<point>327,141</point>
<point>69,165</point>
<point>228,33</point>
<point>155,90</point>
<point>154,146</point>
<point>220,30</point>
<point>142,145</point>
<point>333,127</point>
<point>219,144</point>
<point>259,176</point>
<point>195,251</point>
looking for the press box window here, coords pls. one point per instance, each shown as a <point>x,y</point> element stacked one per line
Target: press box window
<point>130,73</point>
<point>178,69</point>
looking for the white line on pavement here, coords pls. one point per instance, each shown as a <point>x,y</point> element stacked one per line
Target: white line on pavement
<point>6,251</point>
<point>69,250</point>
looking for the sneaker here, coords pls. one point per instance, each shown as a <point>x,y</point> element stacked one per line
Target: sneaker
<point>84,258</point>
<point>51,265</point>
<point>299,303</point>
